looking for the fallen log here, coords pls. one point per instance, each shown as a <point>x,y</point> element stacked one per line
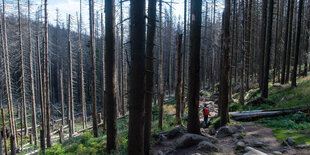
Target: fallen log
<point>256,114</point>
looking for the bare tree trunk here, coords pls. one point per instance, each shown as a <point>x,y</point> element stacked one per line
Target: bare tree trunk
<point>178,60</point>
<point>149,80</point>
<point>104,105</point>
<point>160,71</point>
<point>268,49</point>
<point>13,145</point>
<point>47,82</point>
<point>137,77</point>
<point>84,115</point>
<point>23,89</point>
<point>62,98</point>
<point>225,67</point>
<point>93,67</point>
<point>294,73</point>
<point>286,41</point>
<point>4,131</point>
<point>288,59</point>
<point>193,124</point>
<point>70,83</point>
<point>33,101</point>
<point>42,136</point>
<point>112,143</point>
<point>123,106</point>
<point>241,98</point>
<point>7,72</point>
<point>184,60</point>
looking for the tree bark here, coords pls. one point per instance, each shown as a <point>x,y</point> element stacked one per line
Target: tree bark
<point>93,67</point>
<point>294,73</point>
<point>193,124</point>
<point>178,71</point>
<point>263,43</point>
<point>289,48</point>
<point>149,80</point>
<point>7,72</point>
<point>160,71</point>
<point>33,101</point>
<point>23,87</point>
<point>112,143</point>
<point>225,67</point>
<point>268,50</point>
<point>137,77</point>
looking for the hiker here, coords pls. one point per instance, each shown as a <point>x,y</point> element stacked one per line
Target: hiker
<point>205,111</point>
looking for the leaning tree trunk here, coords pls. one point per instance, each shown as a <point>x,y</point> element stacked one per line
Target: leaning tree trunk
<point>93,67</point>
<point>149,80</point>
<point>137,77</point>
<point>7,73</point>
<point>193,124</point>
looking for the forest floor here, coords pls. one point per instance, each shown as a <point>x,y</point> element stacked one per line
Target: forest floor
<point>266,135</point>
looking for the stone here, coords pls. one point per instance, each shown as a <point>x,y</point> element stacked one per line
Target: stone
<point>252,151</point>
<point>207,146</point>
<point>188,140</point>
<point>225,131</point>
<point>212,132</point>
<point>290,141</point>
<point>236,137</point>
<point>169,151</point>
<point>277,152</point>
<point>240,145</point>
<point>177,131</point>
<point>160,153</point>
<point>258,144</point>
<point>303,146</point>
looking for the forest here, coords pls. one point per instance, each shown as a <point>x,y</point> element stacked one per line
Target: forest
<point>155,77</point>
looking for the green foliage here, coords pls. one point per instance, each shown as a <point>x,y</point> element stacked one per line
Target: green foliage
<point>215,122</point>
<point>295,125</point>
<point>206,93</point>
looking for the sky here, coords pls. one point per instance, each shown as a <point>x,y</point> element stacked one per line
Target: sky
<point>73,6</point>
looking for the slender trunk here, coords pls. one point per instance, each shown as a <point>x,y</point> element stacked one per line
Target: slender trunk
<point>83,100</point>
<point>160,71</point>
<point>289,48</point>
<point>178,72</point>
<point>47,82</point>
<point>4,132</point>
<point>286,41</point>
<point>7,72</point>
<point>123,107</point>
<point>268,50</point>
<point>137,78</point>
<point>23,89</point>
<point>294,73</point>
<point>149,80</point>
<point>263,44</point>
<point>184,60</point>
<point>93,67</point>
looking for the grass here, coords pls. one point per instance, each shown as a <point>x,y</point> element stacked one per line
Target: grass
<point>296,126</point>
<point>87,144</point>
<point>283,97</point>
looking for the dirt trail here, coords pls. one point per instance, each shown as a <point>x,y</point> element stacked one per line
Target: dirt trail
<point>256,136</point>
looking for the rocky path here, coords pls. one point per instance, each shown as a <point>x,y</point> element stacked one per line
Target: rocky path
<point>236,139</point>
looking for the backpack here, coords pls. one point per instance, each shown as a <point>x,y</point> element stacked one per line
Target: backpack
<point>206,111</point>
